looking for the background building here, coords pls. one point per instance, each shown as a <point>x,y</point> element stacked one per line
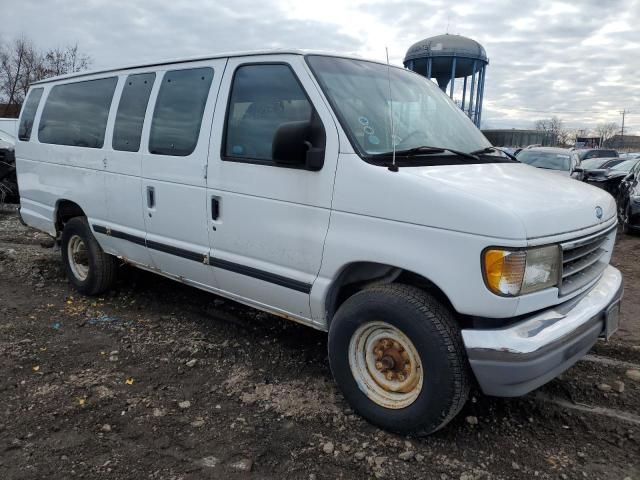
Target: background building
<point>517,138</point>
<point>626,143</point>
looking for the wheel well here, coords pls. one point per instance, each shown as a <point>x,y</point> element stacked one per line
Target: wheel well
<point>357,276</point>
<point>65,211</point>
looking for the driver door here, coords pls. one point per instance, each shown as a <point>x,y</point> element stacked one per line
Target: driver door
<point>268,220</point>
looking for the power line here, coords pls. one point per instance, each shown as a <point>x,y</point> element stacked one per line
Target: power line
<point>624,113</point>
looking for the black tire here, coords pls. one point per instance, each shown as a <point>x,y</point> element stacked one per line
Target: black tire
<point>102,268</point>
<point>432,329</point>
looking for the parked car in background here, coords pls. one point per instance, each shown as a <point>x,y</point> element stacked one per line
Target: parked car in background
<point>609,178</point>
<point>511,150</point>
<point>629,200</point>
<point>630,155</point>
<point>600,163</point>
<point>9,125</point>
<point>558,160</point>
<point>585,154</point>
<point>8,181</point>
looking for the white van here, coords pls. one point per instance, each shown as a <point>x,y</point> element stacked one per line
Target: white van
<point>343,194</point>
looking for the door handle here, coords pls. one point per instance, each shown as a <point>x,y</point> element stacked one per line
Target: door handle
<point>151,197</point>
<point>215,208</point>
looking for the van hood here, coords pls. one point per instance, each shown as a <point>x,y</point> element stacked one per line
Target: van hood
<point>563,173</point>
<point>544,202</point>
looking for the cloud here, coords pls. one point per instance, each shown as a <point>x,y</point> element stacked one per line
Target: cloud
<point>577,60</point>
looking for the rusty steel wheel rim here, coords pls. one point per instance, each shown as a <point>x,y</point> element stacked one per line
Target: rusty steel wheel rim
<point>78,257</point>
<point>386,365</point>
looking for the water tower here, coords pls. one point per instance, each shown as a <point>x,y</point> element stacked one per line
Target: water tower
<point>447,57</point>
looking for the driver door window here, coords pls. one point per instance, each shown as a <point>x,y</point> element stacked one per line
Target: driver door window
<point>263,98</point>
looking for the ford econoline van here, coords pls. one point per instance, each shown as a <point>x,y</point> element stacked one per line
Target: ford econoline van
<point>344,194</point>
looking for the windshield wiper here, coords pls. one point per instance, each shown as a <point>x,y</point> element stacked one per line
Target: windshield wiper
<point>495,149</point>
<point>427,150</point>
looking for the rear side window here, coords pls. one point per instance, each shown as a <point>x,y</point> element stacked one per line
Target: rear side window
<point>29,114</point>
<point>175,127</point>
<point>263,97</point>
<point>76,113</point>
<point>131,110</point>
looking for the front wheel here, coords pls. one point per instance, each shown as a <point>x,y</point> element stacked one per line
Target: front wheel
<point>397,356</point>
<point>88,267</point>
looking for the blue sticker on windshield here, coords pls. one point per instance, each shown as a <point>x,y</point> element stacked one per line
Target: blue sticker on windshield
<point>363,120</point>
<point>374,140</point>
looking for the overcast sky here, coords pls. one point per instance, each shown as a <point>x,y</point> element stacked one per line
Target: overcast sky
<point>579,60</point>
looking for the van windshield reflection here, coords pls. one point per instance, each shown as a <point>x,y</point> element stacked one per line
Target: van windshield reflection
<point>367,95</point>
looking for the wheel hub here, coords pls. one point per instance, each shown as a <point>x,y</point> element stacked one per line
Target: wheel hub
<point>386,365</point>
<point>78,257</point>
<point>392,360</point>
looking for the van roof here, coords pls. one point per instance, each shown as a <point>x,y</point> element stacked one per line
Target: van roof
<point>205,57</point>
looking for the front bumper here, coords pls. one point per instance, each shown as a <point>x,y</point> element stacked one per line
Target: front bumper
<point>514,360</point>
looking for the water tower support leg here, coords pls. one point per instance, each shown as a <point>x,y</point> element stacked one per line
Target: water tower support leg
<point>475,107</point>
<point>473,86</point>
<point>453,77</point>
<point>480,96</point>
<point>464,92</point>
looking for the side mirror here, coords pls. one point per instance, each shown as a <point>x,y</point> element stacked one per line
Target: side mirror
<point>292,146</point>
<point>578,170</point>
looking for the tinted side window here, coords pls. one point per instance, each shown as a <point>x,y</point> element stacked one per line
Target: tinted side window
<point>29,114</point>
<point>76,113</point>
<point>263,97</point>
<point>131,110</point>
<point>178,114</point>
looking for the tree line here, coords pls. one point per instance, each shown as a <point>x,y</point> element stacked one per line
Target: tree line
<point>22,63</point>
<point>557,134</point>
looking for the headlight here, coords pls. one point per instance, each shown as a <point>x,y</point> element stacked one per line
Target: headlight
<point>516,272</point>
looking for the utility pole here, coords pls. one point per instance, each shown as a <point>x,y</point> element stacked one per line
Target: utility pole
<point>623,113</point>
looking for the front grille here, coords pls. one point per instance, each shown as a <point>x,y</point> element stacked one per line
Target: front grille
<point>584,259</point>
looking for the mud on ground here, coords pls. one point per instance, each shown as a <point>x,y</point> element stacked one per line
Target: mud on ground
<point>161,381</point>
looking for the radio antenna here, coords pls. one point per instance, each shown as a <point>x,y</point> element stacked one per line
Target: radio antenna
<point>393,167</point>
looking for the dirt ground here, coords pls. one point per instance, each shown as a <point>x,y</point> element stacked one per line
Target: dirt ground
<point>161,381</point>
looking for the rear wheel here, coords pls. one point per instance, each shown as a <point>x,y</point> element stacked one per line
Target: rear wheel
<point>397,355</point>
<point>89,269</point>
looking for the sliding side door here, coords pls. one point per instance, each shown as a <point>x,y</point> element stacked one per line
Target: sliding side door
<point>174,169</point>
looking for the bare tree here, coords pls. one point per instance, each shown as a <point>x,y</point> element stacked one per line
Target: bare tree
<point>606,131</point>
<point>13,60</point>
<point>554,130</point>
<point>21,64</point>
<point>59,61</point>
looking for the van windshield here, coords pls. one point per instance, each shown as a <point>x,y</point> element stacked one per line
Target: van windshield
<point>422,114</point>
